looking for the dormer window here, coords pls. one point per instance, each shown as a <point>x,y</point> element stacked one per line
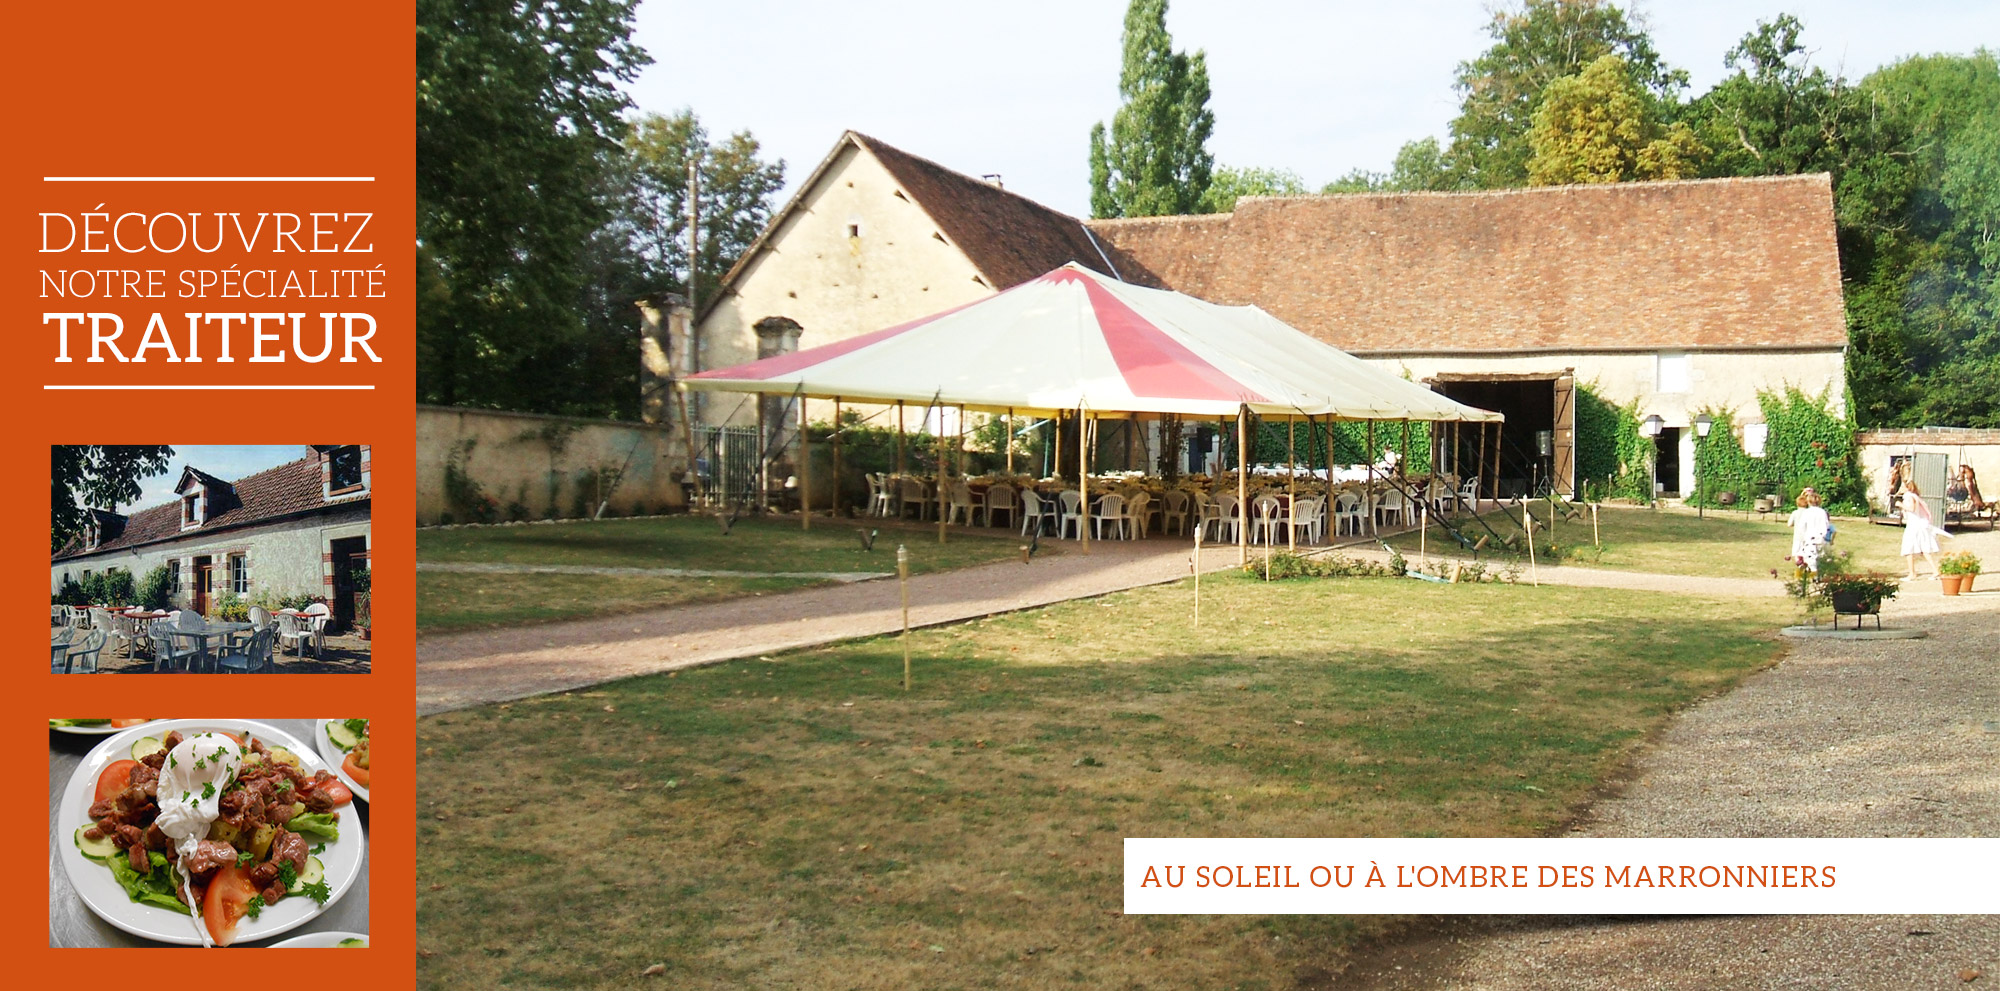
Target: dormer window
<point>190,511</point>
<point>344,469</point>
<point>91,536</point>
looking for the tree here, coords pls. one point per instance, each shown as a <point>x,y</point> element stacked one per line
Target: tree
<point>1421,165</point>
<point>1597,126</point>
<point>518,113</point>
<point>737,193</point>
<point>1229,184</point>
<point>96,476</point>
<point>1155,160</point>
<point>1778,114</point>
<point>1533,46</point>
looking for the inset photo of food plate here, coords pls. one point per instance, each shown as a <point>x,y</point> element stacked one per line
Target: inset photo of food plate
<point>345,745</point>
<point>204,832</point>
<point>95,727</point>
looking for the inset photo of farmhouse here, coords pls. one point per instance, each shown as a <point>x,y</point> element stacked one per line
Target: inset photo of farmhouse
<point>209,559</point>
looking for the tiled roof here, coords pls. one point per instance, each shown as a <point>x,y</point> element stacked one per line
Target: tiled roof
<point>1721,263</point>
<point>1007,236</point>
<point>292,487</point>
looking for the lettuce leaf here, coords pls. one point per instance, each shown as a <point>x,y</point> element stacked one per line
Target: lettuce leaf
<point>321,825</point>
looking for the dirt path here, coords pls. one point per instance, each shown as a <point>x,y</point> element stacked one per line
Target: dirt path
<point>1876,738</point>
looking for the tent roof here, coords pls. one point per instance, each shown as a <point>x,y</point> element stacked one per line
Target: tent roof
<point>1074,339</point>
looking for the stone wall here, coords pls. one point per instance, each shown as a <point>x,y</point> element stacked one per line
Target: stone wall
<point>530,466</point>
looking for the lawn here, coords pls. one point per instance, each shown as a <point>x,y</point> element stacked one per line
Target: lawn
<point>800,822</point>
<point>450,601</point>
<point>1724,545</point>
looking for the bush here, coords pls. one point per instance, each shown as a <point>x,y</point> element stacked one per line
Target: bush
<point>1288,566</point>
<point>93,590</point>
<point>230,608</point>
<point>1959,563</point>
<point>155,589</point>
<point>71,594</point>
<point>118,589</point>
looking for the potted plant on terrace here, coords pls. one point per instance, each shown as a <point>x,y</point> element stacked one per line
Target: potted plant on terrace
<point>1858,595</point>
<point>1957,571</point>
<point>362,613</point>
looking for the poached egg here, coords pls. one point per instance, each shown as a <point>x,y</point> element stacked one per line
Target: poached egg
<point>189,794</point>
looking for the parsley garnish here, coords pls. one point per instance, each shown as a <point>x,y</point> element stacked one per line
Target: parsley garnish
<point>288,874</point>
<point>207,790</point>
<point>243,859</point>
<point>319,848</point>
<point>171,762</point>
<point>317,891</point>
<point>254,906</point>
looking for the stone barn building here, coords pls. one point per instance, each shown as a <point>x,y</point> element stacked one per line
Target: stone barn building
<point>1674,296</point>
<point>299,528</point>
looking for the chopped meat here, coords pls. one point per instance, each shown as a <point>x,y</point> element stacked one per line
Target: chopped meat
<point>274,892</point>
<point>173,739</point>
<point>207,856</point>
<point>264,873</point>
<point>108,825</point>
<point>146,779</point>
<point>289,847</point>
<point>257,746</point>
<point>93,833</point>
<point>156,840</point>
<point>103,810</point>
<point>140,862</point>
<point>154,759</point>
<point>129,836</point>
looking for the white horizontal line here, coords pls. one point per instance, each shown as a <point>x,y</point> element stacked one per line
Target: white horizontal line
<point>230,387</point>
<point>208,178</point>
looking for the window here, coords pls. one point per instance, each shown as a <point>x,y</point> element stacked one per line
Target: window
<point>1756,437</point>
<point>189,513</point>
<point>239,574</point>
<point>1673,372</point>
<point>344,466</point>
<point>174,576</point>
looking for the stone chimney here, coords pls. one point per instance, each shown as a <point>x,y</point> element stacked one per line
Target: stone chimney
<point>666,355</point>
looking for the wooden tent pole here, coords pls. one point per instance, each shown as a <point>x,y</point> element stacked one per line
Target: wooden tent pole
<point>1055,428</point>
<point>959,455</point>
<point>943,494</point>
<point>1009,442</point>
<point>1496,464</point>
<point>805,470</point>
<point>1292,483</point>
<point>1333,521</point>
<point>1243,486</point>
<point>1403,466</point>
<point>900,469</point>
<point>1083,479</point>
<point>763,460</point>
<point>1369,494</point>
<point>836,457</point>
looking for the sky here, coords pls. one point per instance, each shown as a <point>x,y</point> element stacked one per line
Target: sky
<point>1013,87</point>
<point>227,462</point>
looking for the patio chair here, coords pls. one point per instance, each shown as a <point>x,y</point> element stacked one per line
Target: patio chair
<point>957,502</point>
<point>1393,507</point>
<point>253,656</point>
<point>260,617</point>
<point>84,652</point>
<point>1271,517</point>
<point>1071,517</point>
<point>1174,507</point>
<point>125,629</point>
<point>912,494</point>
<point>1035,512</point>
<point>1139,512</point>
<point>292,630</point>
<point>999,499</point>
<point>1309,514</point>
<point>316,617</point>
<point>167,650</point>
<point>1468,493</point>
<point>1348,515</point>
<point>1228,517</point>
<point>1110,509</point>
<point>877,495</point>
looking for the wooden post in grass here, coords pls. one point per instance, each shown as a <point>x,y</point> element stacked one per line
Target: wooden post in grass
<point>805,471</point>
<point>836,457</point>
<point>903,579</point>
<point>1242,485</point>
<point>1593,527</point>
<point>1291,488</point>
<point>1423,532</point>
<point>1528,524</point>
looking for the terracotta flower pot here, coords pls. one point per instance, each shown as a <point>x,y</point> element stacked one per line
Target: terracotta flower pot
<point>1951,583</point>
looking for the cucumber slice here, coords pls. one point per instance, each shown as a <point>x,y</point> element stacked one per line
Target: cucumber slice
<point>314,871</point>
<point>340,735</point>
<point>146,747</point>
<point>350,943</point>
<point>99,850</point>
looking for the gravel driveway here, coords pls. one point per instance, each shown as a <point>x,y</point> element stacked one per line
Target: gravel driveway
<point>1844,738</point>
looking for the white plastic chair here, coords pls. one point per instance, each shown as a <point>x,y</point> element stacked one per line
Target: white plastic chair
<point>1036,513</point>
<point>1393,507</point>
<point>1228,517</point>
<point>291,630</point>
<point>913,494</point>
<point>1348,515</point>
<point>1139,512</point>
<point>1110,509</point>
<point>999,498</point>
<point>1271,517</point>
<point>253,656</point>
<point>878,494</point>
<point>317,616</point>
<point>1174,508</point>
<point>1308,514</point>
<point>1070,519</point>
<point>1468,493</point>
<point>167,649</point>
<point>957,502</point>
<point>84,652</point>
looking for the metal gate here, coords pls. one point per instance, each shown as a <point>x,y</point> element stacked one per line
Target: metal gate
<point>1928,469</point>
<point>726,460</point>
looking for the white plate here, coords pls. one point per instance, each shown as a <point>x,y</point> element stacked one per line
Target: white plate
<point>101,729</point>
<point>334,755</point>
<point>99,890</point>
<point>318,941</point>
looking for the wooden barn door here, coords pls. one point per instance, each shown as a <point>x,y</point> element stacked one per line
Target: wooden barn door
<point>1563,475</point>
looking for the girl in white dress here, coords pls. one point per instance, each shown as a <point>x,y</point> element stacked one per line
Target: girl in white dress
<point>1920,533</point>
<point>1809,526</point>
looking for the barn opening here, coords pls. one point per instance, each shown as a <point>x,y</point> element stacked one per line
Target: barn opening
<point>1537,443</point>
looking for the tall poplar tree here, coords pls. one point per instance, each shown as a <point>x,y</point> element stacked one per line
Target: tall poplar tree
<point>1155,159</point>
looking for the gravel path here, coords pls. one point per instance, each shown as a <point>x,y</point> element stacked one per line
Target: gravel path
<point>490,568</point>
<point>1845,738</point>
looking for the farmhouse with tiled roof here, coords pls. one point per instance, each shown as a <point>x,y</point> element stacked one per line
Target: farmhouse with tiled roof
<point>299,528</point>
<point>1677,296</point>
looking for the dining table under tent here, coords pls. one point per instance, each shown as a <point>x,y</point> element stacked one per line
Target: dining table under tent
<point>1077,343</point>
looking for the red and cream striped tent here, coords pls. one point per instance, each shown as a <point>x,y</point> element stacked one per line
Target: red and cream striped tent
<point>1076,341</point>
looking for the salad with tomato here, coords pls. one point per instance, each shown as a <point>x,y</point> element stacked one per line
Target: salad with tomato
<point>350,738</point>
<point>215,825</point>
